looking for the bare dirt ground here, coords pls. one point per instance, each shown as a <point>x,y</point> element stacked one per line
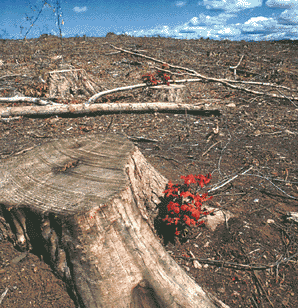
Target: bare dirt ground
<point>252,260</point>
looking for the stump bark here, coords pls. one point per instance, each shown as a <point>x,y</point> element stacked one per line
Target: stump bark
<point>68,82</point>
<point>172,93</point>
<point>88,201</point>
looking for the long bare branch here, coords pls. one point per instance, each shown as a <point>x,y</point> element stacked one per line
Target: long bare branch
<point>136,86</point>
<point>108,107</point>
<point>225,82</point>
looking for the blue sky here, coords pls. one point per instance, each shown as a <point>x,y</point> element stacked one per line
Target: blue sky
<point>249,20</point>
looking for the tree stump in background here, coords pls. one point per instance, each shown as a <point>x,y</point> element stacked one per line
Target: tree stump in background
<point>68,82</point>
<point>87,200</point>
<point>172,93</point>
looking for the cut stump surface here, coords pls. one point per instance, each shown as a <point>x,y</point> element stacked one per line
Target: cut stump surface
<point>91,198</point>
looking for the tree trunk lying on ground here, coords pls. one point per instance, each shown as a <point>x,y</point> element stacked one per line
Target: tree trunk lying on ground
<point>107,107</point>
<point>89,201</point>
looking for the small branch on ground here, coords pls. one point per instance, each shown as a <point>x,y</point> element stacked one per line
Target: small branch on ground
<point>239,266</point>
<point>235,67</point>
<point>36,100</point>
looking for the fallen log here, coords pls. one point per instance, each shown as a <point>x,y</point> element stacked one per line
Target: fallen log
<point>48,110</point>
<point>88,201</point>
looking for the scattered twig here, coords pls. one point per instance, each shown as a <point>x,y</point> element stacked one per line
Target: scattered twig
<point>230,180</point>
<point>235,67</point>
<point>112,53</point>
<point>65,71</point>
<point>36,100</point>
<point>167,158</point>
<point>239,266</point>
<point>196,263</point>
<point>257,278</point>
<point>3,295</point>
<point>111,122</point>
<point>1,77</point>
<point>141,139</point>
<point>9,119</point>
<point>249,174</point>
<point>222,151</point>
<point>24,150</point>
<point>263,177</point>
<point>211,147</point>
<point>287,98</point>
<point>254,302</point>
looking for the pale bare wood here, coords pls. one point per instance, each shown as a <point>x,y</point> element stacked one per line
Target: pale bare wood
<point>69,81</point>
<point>107,107</point>
<point>99,190</point>
<point>136,86</point>
<point>172,93</point>
<point>36,100</point>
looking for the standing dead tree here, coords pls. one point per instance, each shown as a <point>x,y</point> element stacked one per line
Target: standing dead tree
<point>88,201</point>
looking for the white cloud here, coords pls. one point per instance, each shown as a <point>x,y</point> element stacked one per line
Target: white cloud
<point>282,4</point>
<point>229,31</point>
<point>231,5</point>
<point>78,9</point>
<point>180,3</point>
<point>255,29</point>
<point>164,31</point>
<point>206,20</point>
<point>259,25</point>
<point>289,17</point>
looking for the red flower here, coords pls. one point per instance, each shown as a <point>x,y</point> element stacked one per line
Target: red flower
<point>186,219</point>
<point>170,190</point>
<point>189,179</point>
<point>184,207</point>
<point>203,180</point>
<point>196,214</point>
<point>185,194</point>
<point>189,212</point>
<point>176,219</point>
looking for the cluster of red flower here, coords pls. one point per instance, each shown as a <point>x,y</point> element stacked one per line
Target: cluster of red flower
<point>151,79</point>
<point>185,207</point>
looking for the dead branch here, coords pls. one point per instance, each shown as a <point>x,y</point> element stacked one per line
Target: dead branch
<point>108,107</point>
<point>211,147</point>
<point>36,100</point>
<point>229,180</point>
<point>235,67</point>
<point>4,76</point>
<point>136,86</point>
<point>239,266</point>
<point>97,95</point>
<point>250,174</point>
<point>141,139</point>
<point>225,82</point>
<point>257,83</point>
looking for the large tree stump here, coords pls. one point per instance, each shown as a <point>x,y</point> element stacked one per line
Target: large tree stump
<point>89,200</point>
<point>69,82</point>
